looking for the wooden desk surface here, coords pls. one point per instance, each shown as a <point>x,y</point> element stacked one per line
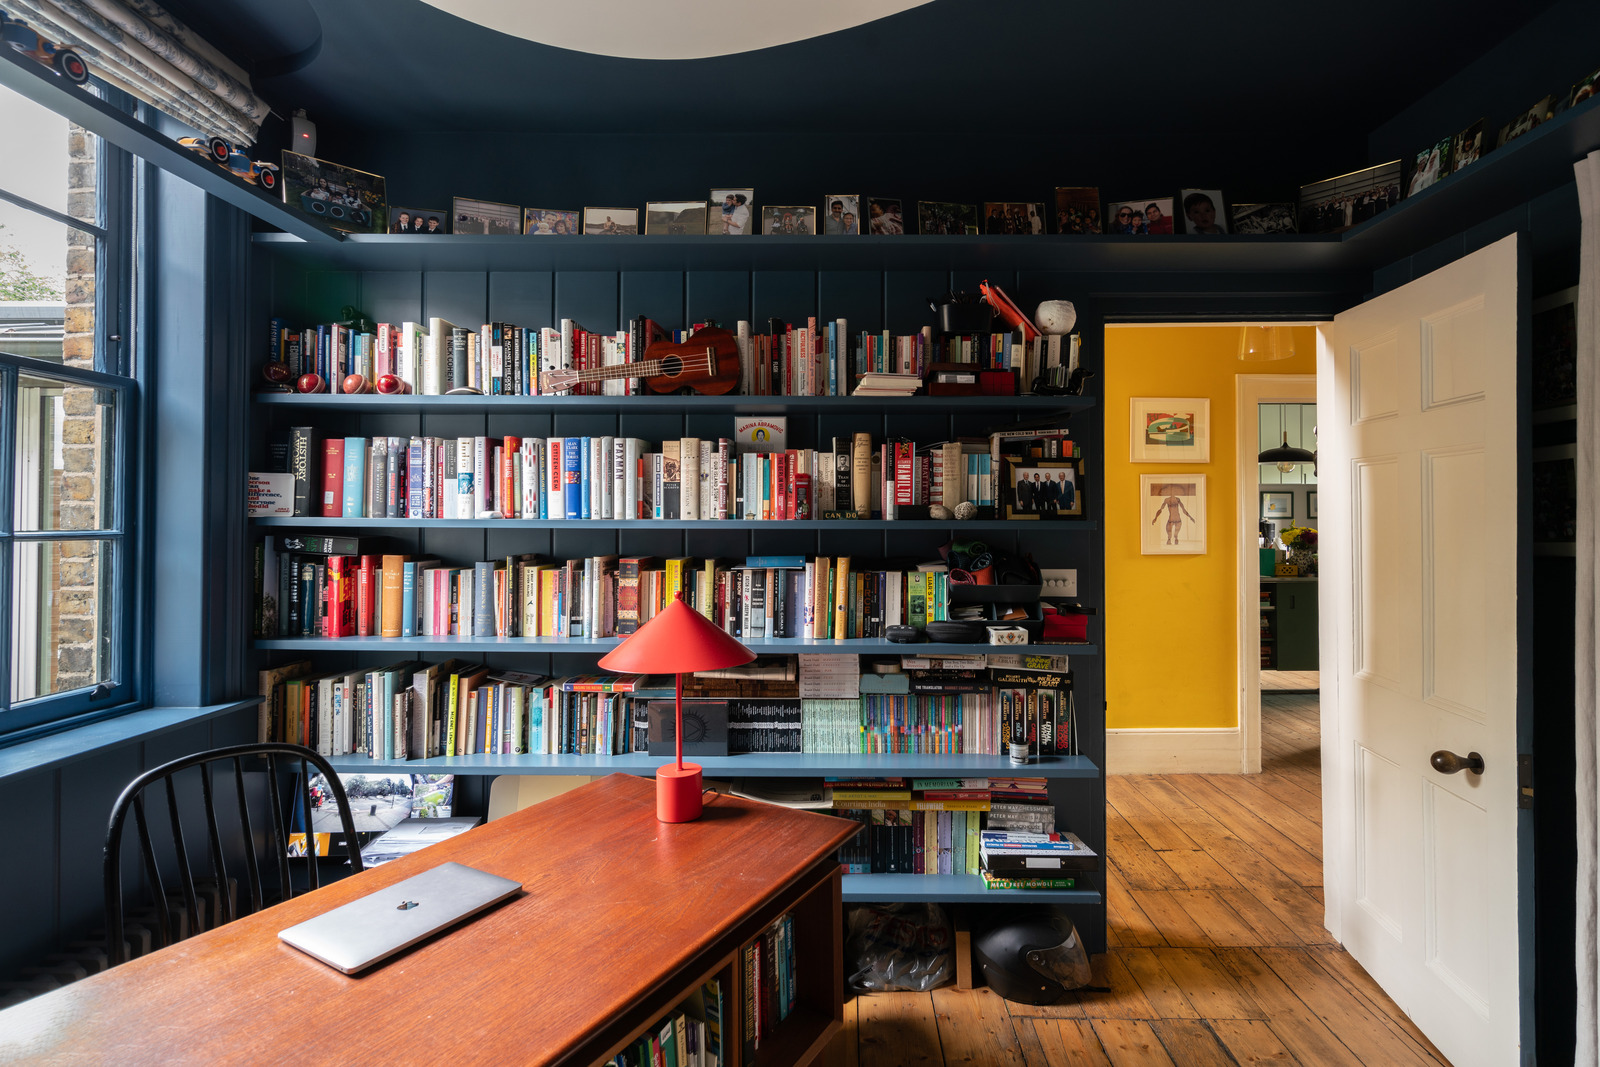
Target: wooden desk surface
<point>615,906</point>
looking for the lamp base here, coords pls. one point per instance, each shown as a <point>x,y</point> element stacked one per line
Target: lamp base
<point>678,793</point>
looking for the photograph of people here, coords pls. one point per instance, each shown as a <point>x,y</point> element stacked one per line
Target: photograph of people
<point>1201,211</point>
<point>1044,491</point>
<point>1126,218</point>
<point>884,217</point>
<point>839,212</point>
<point>730,212</point>
<point>1156,218</point>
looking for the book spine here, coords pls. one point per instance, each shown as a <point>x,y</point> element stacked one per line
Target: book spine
<point>572,477</point>
<point>302,449</point>
<point>333,478</point>
<point>355,478</point>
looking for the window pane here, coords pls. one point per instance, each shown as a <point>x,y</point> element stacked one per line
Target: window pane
<point>47,288</point>
<point>57,168</point>
<point>66,438</point>
<point>61,616</point>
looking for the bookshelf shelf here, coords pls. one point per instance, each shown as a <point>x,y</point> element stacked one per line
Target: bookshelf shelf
<point>771,646</point>
<point>955,887</point>
<point>307,523</point>
<point>1026,406</point>
<point>742,765</point>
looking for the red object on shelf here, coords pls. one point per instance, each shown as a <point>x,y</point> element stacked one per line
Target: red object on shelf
<point>676,641</point>
<point>997,383</point>
<point>1065,627</point>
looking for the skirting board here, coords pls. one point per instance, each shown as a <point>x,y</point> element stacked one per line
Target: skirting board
<point>1205,751</point>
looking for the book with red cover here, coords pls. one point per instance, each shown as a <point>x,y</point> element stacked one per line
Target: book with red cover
<point>366,596</point>
<point>333,478</point>
<point>341,601</point>
<point>506,493</point>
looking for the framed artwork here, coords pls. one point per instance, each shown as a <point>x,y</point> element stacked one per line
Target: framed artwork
<point>1311,504</point>
<point>1013,218</point>
<point>1170,429</point>
<point>1176,504</point>
<point>418,220</point>
<point>610,221</point>
<point>1336,204</point>
<point>676,218</point>
<point>1204,211</point>
<point>1077,209</point>
<point>343,197</point>
<point>791,221</point>
<point>1042,489</point>
<point>484,217</point>
<point>730,213</point>
<point>885,216</point>
<point>1140,216</point>
<point>548,222</point>
<point>1275,505</point>
<point>841,214</point>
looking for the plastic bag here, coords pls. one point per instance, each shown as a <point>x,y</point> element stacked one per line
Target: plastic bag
<point>898,946</point>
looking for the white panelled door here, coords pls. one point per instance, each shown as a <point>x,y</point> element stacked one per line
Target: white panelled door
<point>1418,488</point>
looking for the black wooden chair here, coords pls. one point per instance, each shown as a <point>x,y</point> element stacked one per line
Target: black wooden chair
<point>192,900</point>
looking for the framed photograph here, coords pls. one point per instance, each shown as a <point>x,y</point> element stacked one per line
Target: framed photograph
<point>885,218</point>
<point>484,217</point>
<point>1176,504</point>
<point>1432,164</point>
<point>1263,218</point>
<point>1555,350</point>
<point>1013,218</point>
<point>1585,89</point>
<point>1466,146</point>
<point>610,221</point>
<point>1140,216</point>
<point>1204,211</point>
<point>731,212</point>
<point>678,218</point>
<point>1524,122</point>
<point>1077,209</point>
<point>418,220</point>
<point>1311,504</point>
<point>1042,489</point>
<point>345,198</point>
<point>1337,204</point>
<point>548,222</point>
<point>792,221</point>
<point>841,214</point>
<point>936,216</point>
<point>1276,505</point>
<point>1170,429</point>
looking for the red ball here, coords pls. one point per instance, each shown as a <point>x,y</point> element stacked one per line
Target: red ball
<point>391,384</point>
<point>356,383</point>
<point>311,383</point>
<point>276,373</point>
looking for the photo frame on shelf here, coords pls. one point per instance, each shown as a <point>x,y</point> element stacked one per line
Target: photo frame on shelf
<point>418,220</point>
<point>1170,429</point>
<point>1263,218</point>
<point>1176,504</point>
<point>1525,121</point>
<point>1466,147</point>
<point>1433,163</point>
<point>1042,489</point>
<point>793,220</point>
<point>1555,352</point>
<point>841,214</point>
<point>885,216</point>
<point>939,217</point>
<point>1205,212</point>
<point>1276,505</point>
<point>1150,216</point>
<point>485,217</point>
<point>347,199</point>
<point>549,222</point>
<point>1077,209</point>
<point>732,213</point>
<point>1013,218</point>
<point>610,221</point>
<point>1336,204</point>
<point>1311,504</point>
<point>677,218</point>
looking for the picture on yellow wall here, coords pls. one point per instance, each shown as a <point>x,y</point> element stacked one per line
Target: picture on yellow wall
<point>1170,429</point>
<point>1176,504</point>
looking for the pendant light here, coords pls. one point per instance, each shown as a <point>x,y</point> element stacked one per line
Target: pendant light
<point>1286,456</point>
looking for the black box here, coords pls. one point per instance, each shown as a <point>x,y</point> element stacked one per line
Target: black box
<point>705,727</point>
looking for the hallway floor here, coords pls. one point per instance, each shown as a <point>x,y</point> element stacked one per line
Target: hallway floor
<point>1217,955</point>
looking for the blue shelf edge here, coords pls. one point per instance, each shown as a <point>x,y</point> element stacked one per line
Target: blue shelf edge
<point>555,645</point>
<point>744,765</point>
<point>954,887</point>
<point>740,402</point>
<point>307,522</point>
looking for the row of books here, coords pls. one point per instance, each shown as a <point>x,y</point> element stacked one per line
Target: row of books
<point>337,587</point>
<point>504,359</point>
<point>620,478</point>
<point>688,1036</point>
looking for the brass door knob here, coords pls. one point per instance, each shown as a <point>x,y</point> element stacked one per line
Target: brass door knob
<point>1446,762</point>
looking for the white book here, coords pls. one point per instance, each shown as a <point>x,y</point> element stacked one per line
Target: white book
<point>531,469</point>
<point>689,478</point>
<point>633,449</point>
<point>747,367</point>
<point>894,585</point>
<point>434,345</point>
<point>708,479</point>
<point>598,479</point>
<point>448,452</point>
<point>481,481</point>
<point>614,353</point>
<point>605,476</point>
<point>466,473</point>
<point>408,358</point>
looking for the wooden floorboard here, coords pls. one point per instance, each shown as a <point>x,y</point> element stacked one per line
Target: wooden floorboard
<point>1217,953</point>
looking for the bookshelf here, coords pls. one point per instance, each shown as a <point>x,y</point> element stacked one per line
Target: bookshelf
<point>682,282</point>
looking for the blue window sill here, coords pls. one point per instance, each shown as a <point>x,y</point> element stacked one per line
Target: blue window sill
<point>54,750</point>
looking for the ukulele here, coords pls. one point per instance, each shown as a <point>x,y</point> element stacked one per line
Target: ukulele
<point>708,363</point>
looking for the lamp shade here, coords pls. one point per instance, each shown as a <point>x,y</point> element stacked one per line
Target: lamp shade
<point>678,640</point>
<point>1286,453</point>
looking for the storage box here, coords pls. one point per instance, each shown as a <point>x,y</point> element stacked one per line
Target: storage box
<point>1007,635</point>
<point>1270,558</point>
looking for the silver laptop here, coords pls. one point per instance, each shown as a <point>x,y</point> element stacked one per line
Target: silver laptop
<point>358,934</point>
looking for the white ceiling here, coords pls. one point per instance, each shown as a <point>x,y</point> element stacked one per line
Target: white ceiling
<point>670,29</point>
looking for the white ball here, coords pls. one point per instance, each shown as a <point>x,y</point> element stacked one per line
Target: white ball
<point>1056,316</point>
<point>966,510</point>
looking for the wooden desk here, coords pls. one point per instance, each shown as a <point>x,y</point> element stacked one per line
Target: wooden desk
<point>620,915</point>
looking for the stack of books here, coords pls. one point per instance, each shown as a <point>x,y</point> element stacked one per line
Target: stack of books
<point>876,384</point>
<point>1016,859</point>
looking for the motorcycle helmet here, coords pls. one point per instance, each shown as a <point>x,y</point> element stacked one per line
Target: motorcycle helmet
<point>1032,957</point>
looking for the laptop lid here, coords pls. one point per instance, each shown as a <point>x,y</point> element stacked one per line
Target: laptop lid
<point>358,934</point>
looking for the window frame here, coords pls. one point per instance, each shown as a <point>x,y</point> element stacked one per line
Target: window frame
<point>114,229</point>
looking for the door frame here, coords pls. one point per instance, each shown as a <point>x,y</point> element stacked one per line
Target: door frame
<point>1251,390</point>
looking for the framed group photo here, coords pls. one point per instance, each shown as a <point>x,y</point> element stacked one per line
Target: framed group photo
<point>345,198</point>
<point>792,221</point>
<point>484,217</point>
<point>1042,489</point>
<point>841,214</point>
<point>938,217</point>
<point>418,220</point>
<point>549,222</point>
<point>1013,218</point>
<point>1176,508</point>
<point>1170,429</point>
<point>1142,217</point>
<point>1077,209</point>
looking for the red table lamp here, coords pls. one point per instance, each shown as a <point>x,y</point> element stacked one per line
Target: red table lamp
<point>677,640</point>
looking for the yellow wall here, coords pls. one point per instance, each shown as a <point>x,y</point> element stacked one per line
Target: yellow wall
<point>1171,645</point>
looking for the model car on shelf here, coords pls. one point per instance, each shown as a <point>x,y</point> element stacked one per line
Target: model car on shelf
<point>226,155</point>
<point>25,39</point>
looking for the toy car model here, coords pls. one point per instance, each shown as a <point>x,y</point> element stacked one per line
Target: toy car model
<point>25,39</point>
<point>224,154</point>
